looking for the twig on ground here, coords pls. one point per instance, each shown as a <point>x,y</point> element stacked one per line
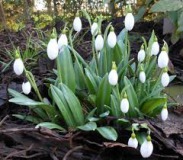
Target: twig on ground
<point>3,120</point>
<point>71,151</point>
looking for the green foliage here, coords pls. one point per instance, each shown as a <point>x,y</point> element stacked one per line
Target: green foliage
<point>82,97</point>
<point>174,11</point>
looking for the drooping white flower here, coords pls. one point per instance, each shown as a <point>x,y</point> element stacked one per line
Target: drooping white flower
<point>62,40</point>
<point>94,28</point>
<point>165,79</point>
<point>164,114</point>
<point>26,87</point>
<point>163,59</point>
<point>142,76</point>
<point>129,21</point>
<point>52,49</point>
<point>99,42</point>
<point>132,142</point>
<point>124,104</point>
<point>146,148</point>
<point>112,39</point>
<point>113,75</point>
<point>155,48</point>
<point>18,66</point>
<point>141,55</point>
<point>77,24</point>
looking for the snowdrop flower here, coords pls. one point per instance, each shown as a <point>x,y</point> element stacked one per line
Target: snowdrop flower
<point>62,40</point>
<point>99,42</point>
<point>111,39</point>
<point>132,142</point>
<point>129,20</point>
<point>113,75</point>
<point>26,87</point>
<point>94,28</point>
<point>142,76</point>
<point>164,113</point>
<point>124,105</point>
<point>77,24</point>
<point>141,54</point>
<point>52,47</point>
<point>163,59</point>
<point>146,148</point>
<point>18,66</point>
<point>165,79</point>
<point>155,47</point>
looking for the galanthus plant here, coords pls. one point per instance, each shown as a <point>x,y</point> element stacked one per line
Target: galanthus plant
<point>84,94</point>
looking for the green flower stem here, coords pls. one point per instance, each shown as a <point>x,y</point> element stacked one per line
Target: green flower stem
<point>32,81</point>
<point>158,80</point>
<point>95,54</point>
<point>59,70</point>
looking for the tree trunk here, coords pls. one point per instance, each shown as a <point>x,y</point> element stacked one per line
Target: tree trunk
<point>49,7</point>
<point>55,8</point>
<point>2,17</point>
<point>27,11</point>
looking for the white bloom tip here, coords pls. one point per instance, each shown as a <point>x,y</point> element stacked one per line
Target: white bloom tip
<point>99,42</point>
<point>164,114</point>
<point>113,77</point>
<point>77,24</point>
<point>129,21</point>
<point>18,66</point>
<point>124,105</point>
<point>132,142</point>
<point>26,87</point>
<point>146,149</point>
<point>112,39</point>
<point>52,49</point>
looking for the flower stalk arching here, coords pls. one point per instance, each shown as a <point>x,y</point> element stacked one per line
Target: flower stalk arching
<point>32,81</point>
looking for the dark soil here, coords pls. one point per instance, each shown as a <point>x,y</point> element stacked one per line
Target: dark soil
<point>19,140</point>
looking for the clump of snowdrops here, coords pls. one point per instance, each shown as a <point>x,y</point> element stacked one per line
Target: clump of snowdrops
<point>111,84</point>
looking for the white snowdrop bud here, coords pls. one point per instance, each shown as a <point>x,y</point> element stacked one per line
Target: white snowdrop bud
<point>77,24</point>
<point>26,87</point>
<point>142,76</point>
<point>113,75</point>
<point>129,21</point>
<point>18,66</point>
<point>163,59</point>
<point>155,47</point>
<point>146,148</point>
<point>99,42</point>
<point>164,113</point>
<point>165,79</point>
<point>94,28</point>
<point>141,55</point>
<point>124,105</point>
<point>132,142</point>
<point>111,39</point>
<point>62,40</point>
<point>52,49</point>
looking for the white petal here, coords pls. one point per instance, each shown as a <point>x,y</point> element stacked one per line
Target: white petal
<point>52,49</point>
<point>26,87</point>
<point>164,114</point>
<point>99,43</point>
<point>142,76</point>
<point>18,66</point>
<point>155,48</point>
<point>129,21</point>
<point>113,77</point>
<point>141,55</point>
<point>124,105</point>
<point>111,39</point>
<point>62,41</point>
<point>94,28</point>
<point>165,79</point>
<point>146,149</point>
<point>132,142</point>
<point>77,24</point>
<point>163,59</point>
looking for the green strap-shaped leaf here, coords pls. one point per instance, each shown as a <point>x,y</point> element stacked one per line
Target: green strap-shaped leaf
<point>50,125</point>
<point>115,107</point>
<point>108,133</point>
<point>90,126</point>
<point>64,109</point>
<point>66,69</point>
<point>74,105</point>
<point>152,104</point>
<point>132,97</point>
<point>103,95</point>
